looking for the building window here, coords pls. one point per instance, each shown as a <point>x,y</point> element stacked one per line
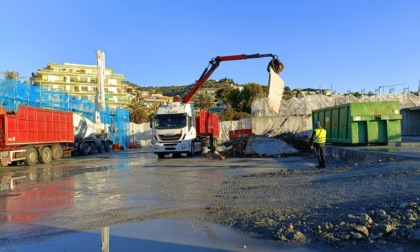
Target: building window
<point>84,89</point>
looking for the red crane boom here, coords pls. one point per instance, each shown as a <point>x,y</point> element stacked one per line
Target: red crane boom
<point>275,64</point>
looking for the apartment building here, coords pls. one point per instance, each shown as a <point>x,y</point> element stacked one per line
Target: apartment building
<point>81,81</point>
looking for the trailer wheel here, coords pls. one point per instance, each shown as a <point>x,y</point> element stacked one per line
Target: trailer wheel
<point>108,147</point>
<point>101,148</point>
<point>85,149</point>
<point>93,149</point>
<point>31,156</point>
<point>46,156</point>
<point>57,152</point>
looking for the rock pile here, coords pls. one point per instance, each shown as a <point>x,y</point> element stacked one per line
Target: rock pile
<point>390,224</point>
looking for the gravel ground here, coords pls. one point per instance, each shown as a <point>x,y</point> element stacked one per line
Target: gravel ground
<point>367,206</point>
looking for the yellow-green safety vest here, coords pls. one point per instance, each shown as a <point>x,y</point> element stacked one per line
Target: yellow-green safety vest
<point>320,135</point>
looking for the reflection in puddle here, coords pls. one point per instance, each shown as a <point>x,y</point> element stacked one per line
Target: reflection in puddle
<point>12,177</point>
<point>157,235</point>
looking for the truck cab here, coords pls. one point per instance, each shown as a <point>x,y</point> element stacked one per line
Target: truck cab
<point>174,130</point>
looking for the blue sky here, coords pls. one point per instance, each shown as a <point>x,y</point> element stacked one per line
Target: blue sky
<point>348,45</point>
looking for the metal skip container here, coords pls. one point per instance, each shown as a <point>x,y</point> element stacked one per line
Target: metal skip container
<point>361,122</point>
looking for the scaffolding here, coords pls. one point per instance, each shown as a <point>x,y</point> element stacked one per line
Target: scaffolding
<point>15,94</point>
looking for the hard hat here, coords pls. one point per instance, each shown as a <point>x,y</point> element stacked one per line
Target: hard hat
<point>317,123</point>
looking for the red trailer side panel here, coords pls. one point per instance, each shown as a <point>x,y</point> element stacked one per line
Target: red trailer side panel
<point>32,125</point>
<point>214,124</point>
<point>237,133</point>
<point>207,123</point>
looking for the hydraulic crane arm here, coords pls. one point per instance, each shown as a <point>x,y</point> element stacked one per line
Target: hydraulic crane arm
<point>275,64</point>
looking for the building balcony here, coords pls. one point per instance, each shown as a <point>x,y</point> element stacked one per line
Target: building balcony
<point>39,81</point>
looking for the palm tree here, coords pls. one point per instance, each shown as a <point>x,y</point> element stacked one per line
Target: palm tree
<point>139,112</point>
<point>152,110</point>
<point>10,75</point>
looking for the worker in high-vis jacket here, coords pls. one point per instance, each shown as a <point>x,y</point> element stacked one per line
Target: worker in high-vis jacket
<point>318,139</point>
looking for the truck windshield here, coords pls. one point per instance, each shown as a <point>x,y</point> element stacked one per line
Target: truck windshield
<point>170,122</point>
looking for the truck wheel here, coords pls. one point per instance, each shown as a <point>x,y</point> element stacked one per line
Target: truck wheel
<point>57,152</point>
<point>191,153</point>
<point>160,155</point>
<point>31,156</point>
<point>85,149</point>
<point>93,149</point>
<point>45,156</point>
<point>101,148</point>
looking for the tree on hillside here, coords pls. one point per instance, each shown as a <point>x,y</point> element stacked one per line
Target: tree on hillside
<point>203,101</point>
<point>230,115</point>
<point>248,95</point>
<point>230,97</point>
<point>222,94</point>
<point>235,99</point>
<point>240,101</point>
<point>10,75</point>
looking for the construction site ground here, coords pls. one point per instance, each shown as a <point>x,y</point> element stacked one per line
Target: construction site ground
<point>368,199</point>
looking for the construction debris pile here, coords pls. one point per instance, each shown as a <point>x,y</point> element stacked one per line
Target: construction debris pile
<point>285,144</point>
<point>297,141</point>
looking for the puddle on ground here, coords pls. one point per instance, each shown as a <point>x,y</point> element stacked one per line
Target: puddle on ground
<point>156,235</point>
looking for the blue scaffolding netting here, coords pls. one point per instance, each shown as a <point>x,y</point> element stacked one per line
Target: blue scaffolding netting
<point>15,94</point>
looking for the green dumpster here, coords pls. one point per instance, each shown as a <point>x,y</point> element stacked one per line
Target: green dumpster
<point>361,123</point>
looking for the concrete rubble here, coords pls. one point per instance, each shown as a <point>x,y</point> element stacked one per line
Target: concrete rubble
<point>268,147</point>
<point>394,222</point>
<point>258,146</point>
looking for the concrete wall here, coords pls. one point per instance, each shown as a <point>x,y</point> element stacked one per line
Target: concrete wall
<point>227,126</point>
<point>141,134</point>
<point>278,125</point>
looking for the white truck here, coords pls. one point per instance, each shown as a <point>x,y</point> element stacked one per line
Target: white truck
<point>176,128</point>
<point>90,137</point>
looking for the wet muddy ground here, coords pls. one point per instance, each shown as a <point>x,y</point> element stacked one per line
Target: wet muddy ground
<point>282,200</point>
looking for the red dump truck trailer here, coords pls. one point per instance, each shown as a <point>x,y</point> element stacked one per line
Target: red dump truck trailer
<point>207,124</point>
<point>35,135</point>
